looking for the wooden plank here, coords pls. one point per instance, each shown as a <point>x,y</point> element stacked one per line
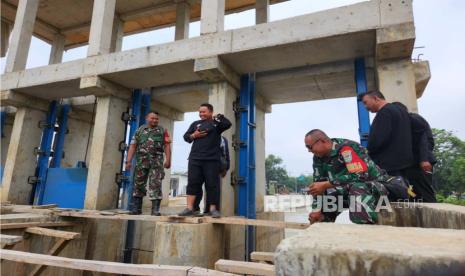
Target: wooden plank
<point>46,206</point>
<point>19,225</point>
<point>199,271</point>
<point>117,216</point>
<point>9,239</point>
<point>53,233</point>
<point>97,266</point>
<point>257,222</point>
<point>54,251</point>
<point>262,256</point>
<point>239,267</point>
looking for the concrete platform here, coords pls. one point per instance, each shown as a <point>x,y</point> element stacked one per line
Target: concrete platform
<point>337,249</point>
<point>313,61</point>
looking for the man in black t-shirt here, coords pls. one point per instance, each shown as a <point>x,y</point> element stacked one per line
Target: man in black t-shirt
<point>390,143</point>
<point>204,158</point>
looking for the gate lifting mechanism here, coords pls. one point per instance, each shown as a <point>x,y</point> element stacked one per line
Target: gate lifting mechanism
<point>361,87</point>
<point>246,144</point>
<point>51,183</point>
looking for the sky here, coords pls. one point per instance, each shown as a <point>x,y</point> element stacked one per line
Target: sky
<point>440,40</point>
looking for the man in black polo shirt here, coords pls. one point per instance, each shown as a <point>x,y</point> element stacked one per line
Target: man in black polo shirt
<point>390,142</point>
<point>204,158</point>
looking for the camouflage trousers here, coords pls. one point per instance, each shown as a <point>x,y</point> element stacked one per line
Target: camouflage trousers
<point>149,172</point>
<point>362,199</point>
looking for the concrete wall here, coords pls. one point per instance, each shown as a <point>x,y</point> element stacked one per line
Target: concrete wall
<point>76,142</point>
<point>426,215</point>
<point>188,244</point>
<point>268,238</point>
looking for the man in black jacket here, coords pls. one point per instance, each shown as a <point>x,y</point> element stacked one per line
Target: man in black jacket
<point>204,158</point>
<point>422,146</point>
<point>390,142</point>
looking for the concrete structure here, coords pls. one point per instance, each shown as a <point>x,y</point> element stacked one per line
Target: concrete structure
<point>328,249</point>
<point>315,61</point>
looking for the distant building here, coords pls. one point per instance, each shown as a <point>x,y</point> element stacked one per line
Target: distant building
<point>178,184</point>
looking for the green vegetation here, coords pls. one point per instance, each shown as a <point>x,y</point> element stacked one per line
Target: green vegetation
<point>276,173</point>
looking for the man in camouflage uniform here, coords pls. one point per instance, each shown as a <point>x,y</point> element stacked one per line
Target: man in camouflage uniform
<point>342,168</point>
<point>149,143</point>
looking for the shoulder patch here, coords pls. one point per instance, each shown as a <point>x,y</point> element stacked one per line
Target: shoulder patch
<point>353,162</point>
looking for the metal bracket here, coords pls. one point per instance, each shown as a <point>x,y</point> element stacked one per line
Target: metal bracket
<point>236,180</point>
<point>43,124</point>
<point>33,179</point>
<point>120,178</point>
<point>126,116</point>
<point>38,151</point>
<point>122,146</point>
<point>238,144</point>
<point>238,108</point>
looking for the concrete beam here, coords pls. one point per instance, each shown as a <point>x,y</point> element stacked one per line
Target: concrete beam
<point>16,99</point>
<point>350,30</point>
<point>100,87</point>
<point>262,11</point>
<point>422,76</point>
<point>179,89</point>
<point>395,41</point>
<point>5,37</point>
<point>105,158</point>
<point>58,48</point>
<point>167,111</point>
<point>117,35</point>
<point>21,160</point>
<point>21,35</point>
<point>213,69</point>
<point>101,28</point>
<point>262,103</point>
<point>183,18</point>
<point>212,16</point>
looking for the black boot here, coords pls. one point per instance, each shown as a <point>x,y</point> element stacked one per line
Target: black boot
<point>156,207</point>
<point>136,205</point>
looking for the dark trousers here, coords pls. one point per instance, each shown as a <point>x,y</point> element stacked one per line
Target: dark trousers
<point>198,199</point>
<point>204,171</point>
<point>421,182</point>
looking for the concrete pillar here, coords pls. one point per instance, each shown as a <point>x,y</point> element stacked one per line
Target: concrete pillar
<point>260,179</point>
<point>101,28</point>
<point>182,20</point>
<point>262,11</point>
<point>5,140</point>
<point>5,37</point>
<point>212,16</point>
<point>21,35</point>
<point>58,47</point>
<point>188,244</point>
<point>222,95</point>
<point>105,158</point>
<point>21,160</point>
<point>117,35</point>
<point>396,80</point>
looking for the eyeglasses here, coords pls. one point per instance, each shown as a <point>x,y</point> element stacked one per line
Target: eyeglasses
<point>310,147</point>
